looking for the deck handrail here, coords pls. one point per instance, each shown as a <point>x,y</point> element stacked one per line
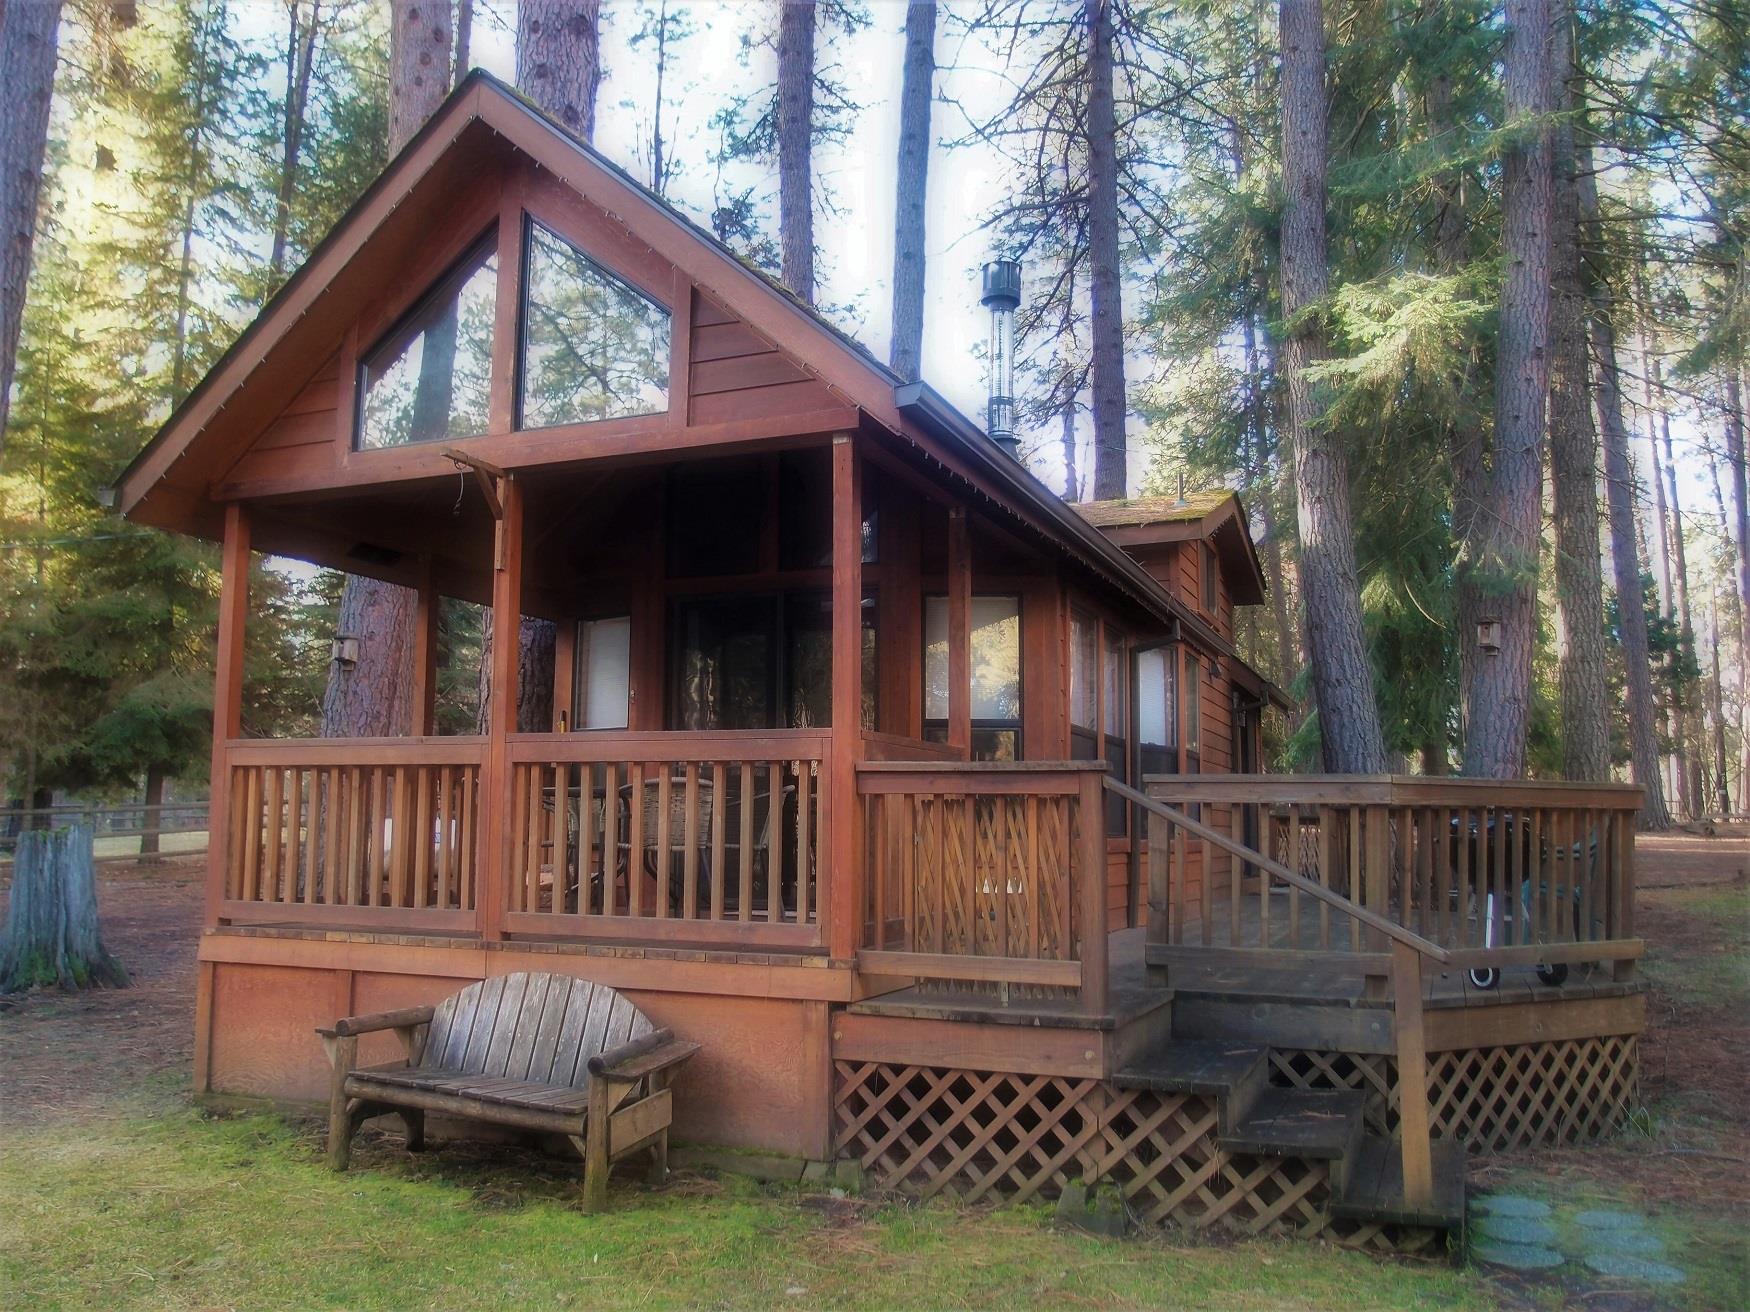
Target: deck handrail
<point>1251,856</point>
<point>1409,951</point>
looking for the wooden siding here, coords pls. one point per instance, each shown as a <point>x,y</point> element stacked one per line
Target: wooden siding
<point>303,435</point>
<point>737,374</point>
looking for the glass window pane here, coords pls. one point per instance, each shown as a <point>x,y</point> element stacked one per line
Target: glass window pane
<point>593,348</point>
<point>1084,705</point>
<point>604,658</point>
<point>935,658</point>
<point>996,658</point>
<point>1151,699</point>
<point>724,654</point>
<point>431,378</point>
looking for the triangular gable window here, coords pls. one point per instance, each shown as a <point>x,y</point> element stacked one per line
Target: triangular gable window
<point>431,377</point>
<point>593,346</point>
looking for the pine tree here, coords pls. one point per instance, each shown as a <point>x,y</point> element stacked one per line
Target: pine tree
<point>27,71</point>
<point>1342,679</point>
<point>373,696</point>
<point>912,184</point>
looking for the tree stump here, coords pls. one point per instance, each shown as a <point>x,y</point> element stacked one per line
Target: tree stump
<point>51,936</point>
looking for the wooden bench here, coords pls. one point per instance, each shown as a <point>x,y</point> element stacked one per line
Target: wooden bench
<point>538,1052</point>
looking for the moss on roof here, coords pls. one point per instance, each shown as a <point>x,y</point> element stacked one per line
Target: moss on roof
<point>1153,510</point>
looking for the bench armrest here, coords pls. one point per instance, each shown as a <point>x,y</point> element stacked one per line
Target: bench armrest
<point>405,1018</point>
<point>656,1051</point>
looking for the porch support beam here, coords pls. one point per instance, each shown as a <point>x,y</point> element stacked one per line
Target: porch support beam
<point>959,633</point>
<point>227,699</point>
<point>425,649</point>
<point>842,883</point>
<point>495,783</point>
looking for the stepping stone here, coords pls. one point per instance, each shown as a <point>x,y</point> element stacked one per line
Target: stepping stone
<point>1519,1257</point>
<point>1511,1205</point>
<point>1634,1268</point>
<point>1603,1219</point>
<point>1517,1230</point>
<point>1640,1243</point>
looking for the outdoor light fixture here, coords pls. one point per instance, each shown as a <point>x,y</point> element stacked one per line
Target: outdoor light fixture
<point>345,651</point>
<point>1489,636</point>
<point>1002,296</point>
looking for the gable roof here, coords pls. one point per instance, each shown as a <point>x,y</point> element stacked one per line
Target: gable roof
<point>1193,506</point>
<point>1214,515</point>
<point>168,483</point>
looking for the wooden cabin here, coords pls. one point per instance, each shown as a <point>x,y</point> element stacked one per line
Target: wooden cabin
<point>927,804</point>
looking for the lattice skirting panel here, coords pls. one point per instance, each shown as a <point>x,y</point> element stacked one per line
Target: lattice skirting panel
<point>1496,1099</point>
<point>981,1135</point>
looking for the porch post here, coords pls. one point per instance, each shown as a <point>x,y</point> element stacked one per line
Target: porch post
<point>227,700</point>
<point>843,883</point>
<point>495,783</point>
<point>959,633</point>
<point>425,645</point>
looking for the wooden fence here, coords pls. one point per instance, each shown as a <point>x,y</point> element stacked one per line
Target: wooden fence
<point>986,872</point>
<point>1497,873</point>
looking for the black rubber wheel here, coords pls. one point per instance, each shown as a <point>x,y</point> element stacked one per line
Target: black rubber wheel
<point>1555,976</point>
<point>1485,978</point>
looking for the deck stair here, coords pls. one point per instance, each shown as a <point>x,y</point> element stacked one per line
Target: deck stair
<point>1259,1119</point>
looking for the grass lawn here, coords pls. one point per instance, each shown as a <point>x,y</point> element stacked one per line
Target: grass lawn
<point>178,1211</point>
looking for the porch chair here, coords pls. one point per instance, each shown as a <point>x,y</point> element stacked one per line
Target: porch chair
<point>766,821</point>
<point>532,1051</point>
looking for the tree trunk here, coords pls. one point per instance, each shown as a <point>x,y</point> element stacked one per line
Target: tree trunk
<point>1465,436</point>
<point>796,145</point>
<point>1619,489</point>
<point>536,657</point>
<point>913,173</point>
<point>51,937</point>
<point>1066,415</point>
<point>1106,311</point>
<point>558,59</point>
<point>152,818</point>
<point>374,697</point>
<point>27,71</point>
<point>1336,644</point>
<point>1502,553</point>
<point>1735,464</point>
<point>1573,458</point>
<point>419,66</point>
<point>300,60</point>
<point>464,40</point>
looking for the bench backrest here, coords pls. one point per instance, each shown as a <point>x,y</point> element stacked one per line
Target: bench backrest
<point>530,1026</point>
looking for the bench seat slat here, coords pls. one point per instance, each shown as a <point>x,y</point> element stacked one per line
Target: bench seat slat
<point>498,1089</point>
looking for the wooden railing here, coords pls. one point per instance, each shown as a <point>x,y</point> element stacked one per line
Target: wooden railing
<point>1407,960</point>
<point>986,872</point>
<point>360,831</point>
<point>1497,874</point>
<point>660,837</point>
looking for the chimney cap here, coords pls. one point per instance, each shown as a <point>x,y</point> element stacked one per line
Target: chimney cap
<point>1002,284</point>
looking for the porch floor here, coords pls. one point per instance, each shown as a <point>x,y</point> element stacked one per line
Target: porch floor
<point>1191,974</point>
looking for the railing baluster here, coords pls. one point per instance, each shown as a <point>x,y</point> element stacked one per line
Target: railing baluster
<point>744,894</point>
<point>804,839</point>
<point>719,822</point>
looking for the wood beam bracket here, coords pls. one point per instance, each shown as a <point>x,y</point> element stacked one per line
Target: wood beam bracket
<point>491,479</point>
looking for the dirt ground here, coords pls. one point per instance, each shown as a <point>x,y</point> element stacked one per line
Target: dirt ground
<point>113,1049</point>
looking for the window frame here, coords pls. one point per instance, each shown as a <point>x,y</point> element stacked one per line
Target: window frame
<point>489,237</point>
<point>519,355</point>
<point>936,729</point>
<point>1211,583</point>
